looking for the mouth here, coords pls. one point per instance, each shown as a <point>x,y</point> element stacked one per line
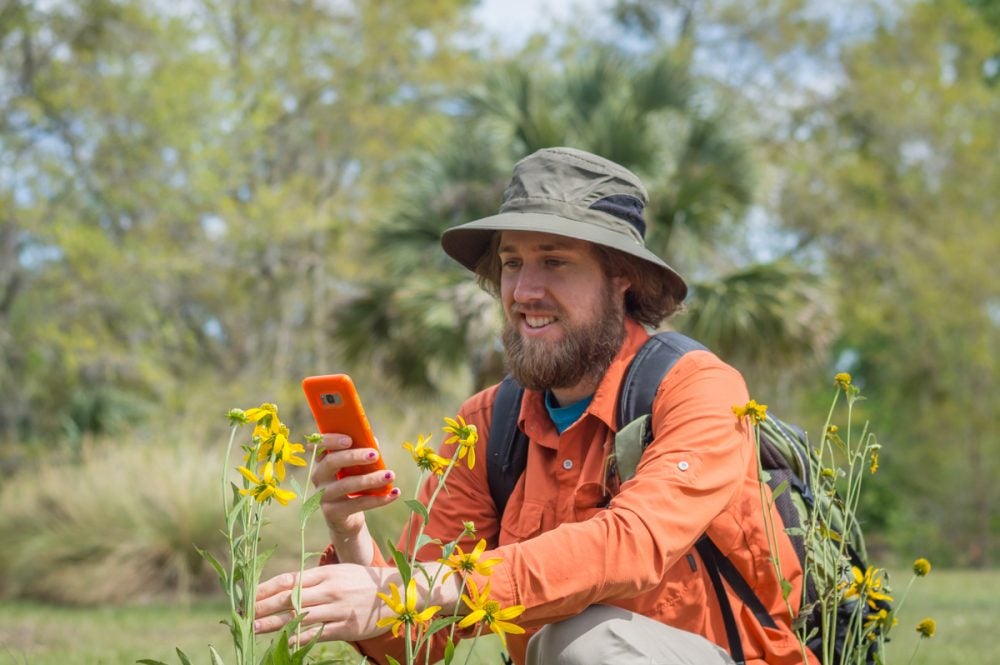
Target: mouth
<point>536,322</point>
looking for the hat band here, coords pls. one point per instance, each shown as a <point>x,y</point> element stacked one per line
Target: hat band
<point>624,207</point>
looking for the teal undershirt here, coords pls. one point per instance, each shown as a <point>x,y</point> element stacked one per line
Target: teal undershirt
<point>564,416</point>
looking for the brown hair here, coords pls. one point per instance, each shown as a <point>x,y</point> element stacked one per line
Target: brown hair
<point>649,299</point>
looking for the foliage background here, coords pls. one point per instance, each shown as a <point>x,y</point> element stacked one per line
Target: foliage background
<point>201,203</point>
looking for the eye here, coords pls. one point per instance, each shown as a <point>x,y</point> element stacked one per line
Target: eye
<point>510,264</point>
<point>555,263</point>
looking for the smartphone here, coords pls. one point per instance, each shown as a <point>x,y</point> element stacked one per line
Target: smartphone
<point>336,407</point>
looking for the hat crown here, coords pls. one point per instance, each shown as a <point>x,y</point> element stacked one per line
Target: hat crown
<point>567,175</point>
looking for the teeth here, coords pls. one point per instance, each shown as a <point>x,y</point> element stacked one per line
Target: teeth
<point>538,321</point>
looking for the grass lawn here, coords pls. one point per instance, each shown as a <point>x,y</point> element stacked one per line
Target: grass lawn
<point>965,605</point>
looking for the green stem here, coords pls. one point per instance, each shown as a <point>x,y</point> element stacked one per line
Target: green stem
<point>468,654</point>
<point>297,591</point>
<point>430,505</point>
<point>230,583</point>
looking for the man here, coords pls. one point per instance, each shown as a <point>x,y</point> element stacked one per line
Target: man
<point>602,579</point>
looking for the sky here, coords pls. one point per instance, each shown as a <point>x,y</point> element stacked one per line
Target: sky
<point>512,21</point>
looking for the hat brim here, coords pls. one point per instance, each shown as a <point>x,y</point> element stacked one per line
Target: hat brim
<point>467,243</point>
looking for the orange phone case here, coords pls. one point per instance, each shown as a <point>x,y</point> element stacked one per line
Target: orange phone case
<point>336,407</point>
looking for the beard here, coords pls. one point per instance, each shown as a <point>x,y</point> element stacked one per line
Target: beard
<point>585,351</point>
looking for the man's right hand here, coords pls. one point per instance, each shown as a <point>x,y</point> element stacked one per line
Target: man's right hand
<point>344,513</point>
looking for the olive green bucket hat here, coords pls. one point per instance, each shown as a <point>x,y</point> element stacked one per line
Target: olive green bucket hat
<point>570,193</point>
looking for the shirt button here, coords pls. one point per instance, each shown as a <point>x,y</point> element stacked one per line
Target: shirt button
<point>683,466</point>
<point>567,464</point>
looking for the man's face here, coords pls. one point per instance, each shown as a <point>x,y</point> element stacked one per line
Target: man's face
<point>565,317</point>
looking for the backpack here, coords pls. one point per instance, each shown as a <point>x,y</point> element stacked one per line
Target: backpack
<point>785,459</point>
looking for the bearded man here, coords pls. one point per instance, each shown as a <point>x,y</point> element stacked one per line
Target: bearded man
<point>604,573</point>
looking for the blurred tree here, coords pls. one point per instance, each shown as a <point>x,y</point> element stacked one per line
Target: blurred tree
<point>894,178</point>
<point>644,113</point>
<point>184,189</point>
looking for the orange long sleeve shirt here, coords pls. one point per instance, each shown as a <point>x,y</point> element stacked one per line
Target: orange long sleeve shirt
<point>562,552</point>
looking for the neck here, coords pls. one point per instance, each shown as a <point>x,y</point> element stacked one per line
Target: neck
<point>585,388</point>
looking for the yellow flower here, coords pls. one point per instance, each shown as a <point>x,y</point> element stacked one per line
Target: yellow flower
<point>842,380</point>
<point>488,611</point>
<point>266,486</point>
<point>404,610</point>
<point>460,562</point>
<point>426,458</point>
<point>879,619</point>
<point>921,567</point>
<point>287,456</point>
<point>756,412</point>
<point>868,585</point>
<point>464,435</point>
<point>927,627</point>
<point>874,465</point>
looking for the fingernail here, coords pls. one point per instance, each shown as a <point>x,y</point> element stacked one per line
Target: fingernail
<point>372,455</point>
<point>394,492</point>
<point>388,475</point>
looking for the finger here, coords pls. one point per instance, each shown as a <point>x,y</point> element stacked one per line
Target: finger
<point>362,483</point>
<point>330,443</point>
<point>276,585</point>
<point>335,460</point>
<point>273,622</point>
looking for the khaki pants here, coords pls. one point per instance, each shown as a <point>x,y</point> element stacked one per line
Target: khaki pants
<point>605,635</point>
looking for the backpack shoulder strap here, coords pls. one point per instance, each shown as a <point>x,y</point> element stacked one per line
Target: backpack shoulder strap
<point>645,373</point>
<point>635,399</point>
<point>507,447</point>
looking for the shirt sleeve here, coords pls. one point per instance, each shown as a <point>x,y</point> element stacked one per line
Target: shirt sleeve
<point>688,475</point>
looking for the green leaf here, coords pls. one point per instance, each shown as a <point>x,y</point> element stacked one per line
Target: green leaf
<point>223,575</point>
<point>423,540</point>
<point>443,622</point>
<point>786,589</point>
<point>392,661</point>
<point>184,659</point>
<point>401,563</point>
<point>779,490</point>
<point>449,651</point>
<point>263,557</point>
<point>216,658</point>
<point>309,506</point>
<point>418,508</point>
<point>795,531</point>
<point>150,661</point>
<point>764,475</point>
<point>298,658</point>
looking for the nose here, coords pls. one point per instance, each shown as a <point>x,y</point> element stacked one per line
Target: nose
<point>528,285</point>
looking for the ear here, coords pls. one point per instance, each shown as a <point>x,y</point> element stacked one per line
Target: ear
<point>621,284</point>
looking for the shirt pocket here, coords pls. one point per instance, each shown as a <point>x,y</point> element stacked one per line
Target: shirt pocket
<point>524,522</point>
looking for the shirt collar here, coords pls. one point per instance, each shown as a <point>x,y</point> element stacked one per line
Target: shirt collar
<point>534,419</point>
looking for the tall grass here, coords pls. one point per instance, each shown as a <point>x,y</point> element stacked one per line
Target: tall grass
<point>118,523</point>
<point>115,525</point>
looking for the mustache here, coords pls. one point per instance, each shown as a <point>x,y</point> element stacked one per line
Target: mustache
<point>547,309</point>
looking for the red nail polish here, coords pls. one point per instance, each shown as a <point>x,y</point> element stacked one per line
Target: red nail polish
<point>372,455</point>
<point>388,475</point>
